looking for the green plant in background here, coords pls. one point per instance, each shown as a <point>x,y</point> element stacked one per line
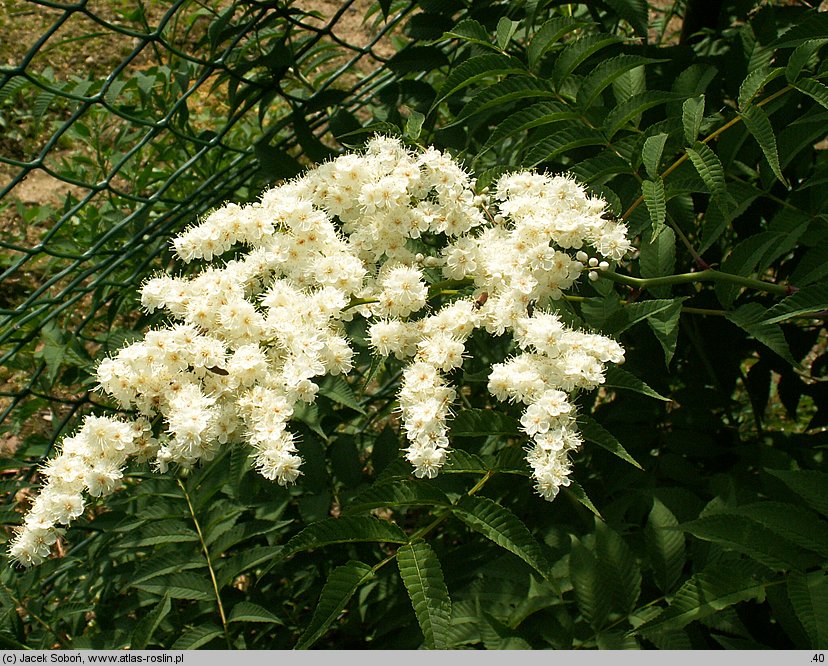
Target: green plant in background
<point>700,522</point>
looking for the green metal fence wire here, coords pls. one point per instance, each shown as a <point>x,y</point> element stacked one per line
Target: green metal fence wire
<point>207,101</point>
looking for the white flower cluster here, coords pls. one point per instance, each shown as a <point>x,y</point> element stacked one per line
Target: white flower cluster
<point>364,234</point>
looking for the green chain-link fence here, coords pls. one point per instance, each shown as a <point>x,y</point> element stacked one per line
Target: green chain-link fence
<point>198,102</point>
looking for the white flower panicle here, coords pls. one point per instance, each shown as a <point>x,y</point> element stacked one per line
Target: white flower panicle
<point>249,338</point>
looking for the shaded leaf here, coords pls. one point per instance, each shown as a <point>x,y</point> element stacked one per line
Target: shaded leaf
<point>146,626</point>
<point>578,51</point>
<point>619,568</point>
<point>401,493</point>
<point>754,82</point>
<point>739,533</point>
<point>470,30</point>
<point>179,586</point>
<point>504,528</point>
<point>247,611</point>
<point>340,391</point>
<point>619,378</point>
<point>605,73</point>
<point>423,578</point>
<point>751,318</point>
<point>484,422</point>
<point>500,93</point>
<point>716,588</point>
<point>574,489</point>
<point>634,106</point>
<point>816,90</point>
<point>810,299</point>
<point>197,636</point>
<point>808,594</point>
<point>548,35</point>
<point>346,529</point>
<point>561,141</point>
<point>692,115</point>
<point>476,69</point>
<point>338,590</point>
<point>810,485</point>
<point>594,432</point>
<point>537,115</point>
<point>708,165</point>
<point>590,592</point>
<point>665,546</point>
<point>632,313</point>
<point>757,122</point>
<point>665,326</point>
<point>656,202</point>
<point>651,153</point>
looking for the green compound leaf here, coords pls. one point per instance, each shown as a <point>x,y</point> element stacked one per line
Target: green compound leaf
<point>651,153</point>
<point>164,563</point>
<point>463,462</point>
<point>605,73</point>
<point>744,535</point>
<point>338,590</point>
<point>567,138</point>
<point>665,546</point>
<point>537,115</point>
<point>575,490</point>
<point>619,568</point>
<point>810,485</point>
<point>598,168</point>
<point>814,89</point>
<point>548,35</point>
<point>197,636</point>
<point>758,124</point>
<point>716,588</point>
<point>751,319</point>
<point>146,626</point>
<point>795,523</point>
<point>634,106</point>
<point>658,259</point>
<point>808,594</point>
<point>800,57</point>
<point>500,93</point>
<point>653,192</point>
<point>751,255</point>
<point>578,51</point>
<point>708,165</point>
<point>594,432</point>
<point>179,586</point>
<point>692,115</point>
<point>665,326</point>
<point>812,267</point>
<point>413,128</point>
<point>398,494</point>
<point>619,378</point>
<point>810,299</point>
<point>340,391</point>
<point>346,529</point>
<point>246,611</point>
<point>588,584</point>
<point>423,578</point>
<point>476,69</point>
<point>482,423</point>
<point>470,30</point>
<point>504,528</point>
<point>632,313</point>
<point>504,32</point>
<point>755,82</point>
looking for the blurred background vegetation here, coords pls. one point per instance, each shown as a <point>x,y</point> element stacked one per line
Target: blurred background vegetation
<point>698,520</point>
